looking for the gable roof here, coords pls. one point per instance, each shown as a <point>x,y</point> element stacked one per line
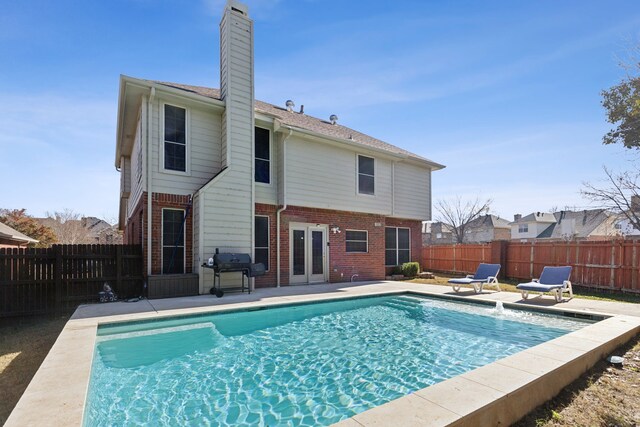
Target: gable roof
<point>536,217</point>
<point>489,220</point>
<point>296,120</point>
<point>11,234</point>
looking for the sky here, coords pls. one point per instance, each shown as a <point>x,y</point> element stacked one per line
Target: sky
<point>505,94</point>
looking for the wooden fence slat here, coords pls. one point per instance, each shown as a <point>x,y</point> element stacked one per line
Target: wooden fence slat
<point>611,265</point>
<point>51,280</point>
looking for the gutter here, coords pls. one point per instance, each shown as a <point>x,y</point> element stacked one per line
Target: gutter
<point>152,95</point>
<point>284,203</point>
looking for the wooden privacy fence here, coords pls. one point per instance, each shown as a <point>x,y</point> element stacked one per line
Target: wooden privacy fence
<point>611,265</point>
<point>59,278</point>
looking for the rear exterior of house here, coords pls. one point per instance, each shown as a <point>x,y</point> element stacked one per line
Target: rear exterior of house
<point>205,169</point>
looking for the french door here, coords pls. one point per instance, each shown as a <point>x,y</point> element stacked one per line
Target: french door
<point>307,253</point>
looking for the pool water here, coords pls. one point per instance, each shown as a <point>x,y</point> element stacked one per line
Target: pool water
<point>306,365</point>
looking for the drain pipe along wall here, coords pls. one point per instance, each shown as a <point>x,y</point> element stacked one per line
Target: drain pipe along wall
<point>147,138</point>
<point>284,203</point>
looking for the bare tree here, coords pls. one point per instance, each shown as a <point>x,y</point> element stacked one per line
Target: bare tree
<point>620,194</point>
<point>69,227</point>
<point>459,213</point>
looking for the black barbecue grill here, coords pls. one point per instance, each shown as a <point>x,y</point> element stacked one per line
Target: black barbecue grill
<point>231,263</point>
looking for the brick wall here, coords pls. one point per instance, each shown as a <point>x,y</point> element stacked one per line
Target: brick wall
<point>415,228</point>
<point>136,228</point>
<point>342,265</point>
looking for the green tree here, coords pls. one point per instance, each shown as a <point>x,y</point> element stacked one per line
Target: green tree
<point>19,220</point>
<point>622,103</point>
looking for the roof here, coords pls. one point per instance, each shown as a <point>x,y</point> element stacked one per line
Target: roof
<point>9,233</point>
<point>581,223</point>
<point>536,217</point>
<point>307,122</point>
<point>489,220</point>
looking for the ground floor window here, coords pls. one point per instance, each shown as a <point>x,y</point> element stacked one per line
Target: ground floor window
<point>397,246</point>
<point>356,241</point>
<point>173,241</point>
<point>262,240</point>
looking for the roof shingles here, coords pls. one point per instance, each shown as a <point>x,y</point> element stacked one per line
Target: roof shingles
<point>310,123</point>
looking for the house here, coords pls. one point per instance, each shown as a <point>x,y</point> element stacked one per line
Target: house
<point>487,228</point>
<point>593,224</point>
<point>10,238</point>
<point>207,169</point>
<point>531,226</point>
<point>437,233</point>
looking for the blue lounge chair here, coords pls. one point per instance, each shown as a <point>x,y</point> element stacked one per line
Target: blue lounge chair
<point>552,279</point>
<point>485,274</point>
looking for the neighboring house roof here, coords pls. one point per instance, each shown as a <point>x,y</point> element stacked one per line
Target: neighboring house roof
<point>11,234</point>
<point>547,233</point>
<point>489,220</point>
<point>303,121</point>
<point>581,223</point>
<point>536,217</point>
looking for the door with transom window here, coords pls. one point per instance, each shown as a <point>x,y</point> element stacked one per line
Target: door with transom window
<point>307,253</point>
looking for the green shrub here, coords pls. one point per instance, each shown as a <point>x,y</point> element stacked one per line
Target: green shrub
<point>396,270</point>
<point>410,269</point>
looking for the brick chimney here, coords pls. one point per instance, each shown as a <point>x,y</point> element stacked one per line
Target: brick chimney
<point>517,217</point>
<point>635,203</point>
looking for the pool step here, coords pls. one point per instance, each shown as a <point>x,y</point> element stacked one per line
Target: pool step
<point>404,304</point>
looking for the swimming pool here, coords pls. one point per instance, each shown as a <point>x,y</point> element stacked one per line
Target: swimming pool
<point>312,364</point>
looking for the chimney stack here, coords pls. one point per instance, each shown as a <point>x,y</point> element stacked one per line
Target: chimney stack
<point>517,217</point>
<point>635,203</point>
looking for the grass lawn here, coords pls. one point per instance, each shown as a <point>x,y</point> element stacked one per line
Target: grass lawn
<point>510,286</point>
<point>24,343</point>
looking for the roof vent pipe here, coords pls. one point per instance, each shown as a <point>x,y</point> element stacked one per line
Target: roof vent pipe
<point>302,109</point>
<point>333,119</point>
<point>289,105</point>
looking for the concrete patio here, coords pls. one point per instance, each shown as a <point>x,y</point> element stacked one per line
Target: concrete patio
<point>499,393</point>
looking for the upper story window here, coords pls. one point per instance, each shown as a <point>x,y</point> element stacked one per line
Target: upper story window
<point>262,156</point>
<point>523,228</point>
<point>366,175</point>
<point>175,138</point>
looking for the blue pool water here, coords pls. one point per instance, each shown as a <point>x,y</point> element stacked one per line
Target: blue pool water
<point>308,365</point>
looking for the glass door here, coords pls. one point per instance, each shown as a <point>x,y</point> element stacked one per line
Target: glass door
<point>308,254</point>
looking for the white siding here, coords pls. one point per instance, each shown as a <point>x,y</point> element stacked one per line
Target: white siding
<point>196,234</point>
<point>227,201</point>
<point>324,176</point>
<point>203,149</point>
<point>412,192</point>
<point>125,175</point>
<point>137,167</point>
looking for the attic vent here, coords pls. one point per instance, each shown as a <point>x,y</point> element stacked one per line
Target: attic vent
<point>333,119</point>
<point>289,105</point>
<point>235,9</point>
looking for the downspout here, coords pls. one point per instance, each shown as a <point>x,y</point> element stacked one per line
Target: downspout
<point>150,100</point>
<point>393,188</point>
<point>284,204</point>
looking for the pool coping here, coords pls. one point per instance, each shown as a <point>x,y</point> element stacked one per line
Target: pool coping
<point>499,393</point>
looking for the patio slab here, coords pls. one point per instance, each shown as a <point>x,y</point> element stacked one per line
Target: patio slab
<point>496,393</point>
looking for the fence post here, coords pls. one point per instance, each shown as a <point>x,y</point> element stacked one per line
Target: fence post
<point>454,258</point>
<point>499,255</point>
<point>118,267</point>
<point>531,259</point>
<point>612,274</point>
<point>57,272</point>
<point>634,271</point>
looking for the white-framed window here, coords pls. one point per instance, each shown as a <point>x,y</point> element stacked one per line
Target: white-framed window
<point>366,175</point>
<point>261,231</point>
<point>357,241</point>
<point>175,156</point>
<point>397,244</point>
<point>173,248</point>
<point>262,154</point>
<point>523,228</point>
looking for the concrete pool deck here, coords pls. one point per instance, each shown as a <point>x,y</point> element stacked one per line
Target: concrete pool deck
<point>498,393</point>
